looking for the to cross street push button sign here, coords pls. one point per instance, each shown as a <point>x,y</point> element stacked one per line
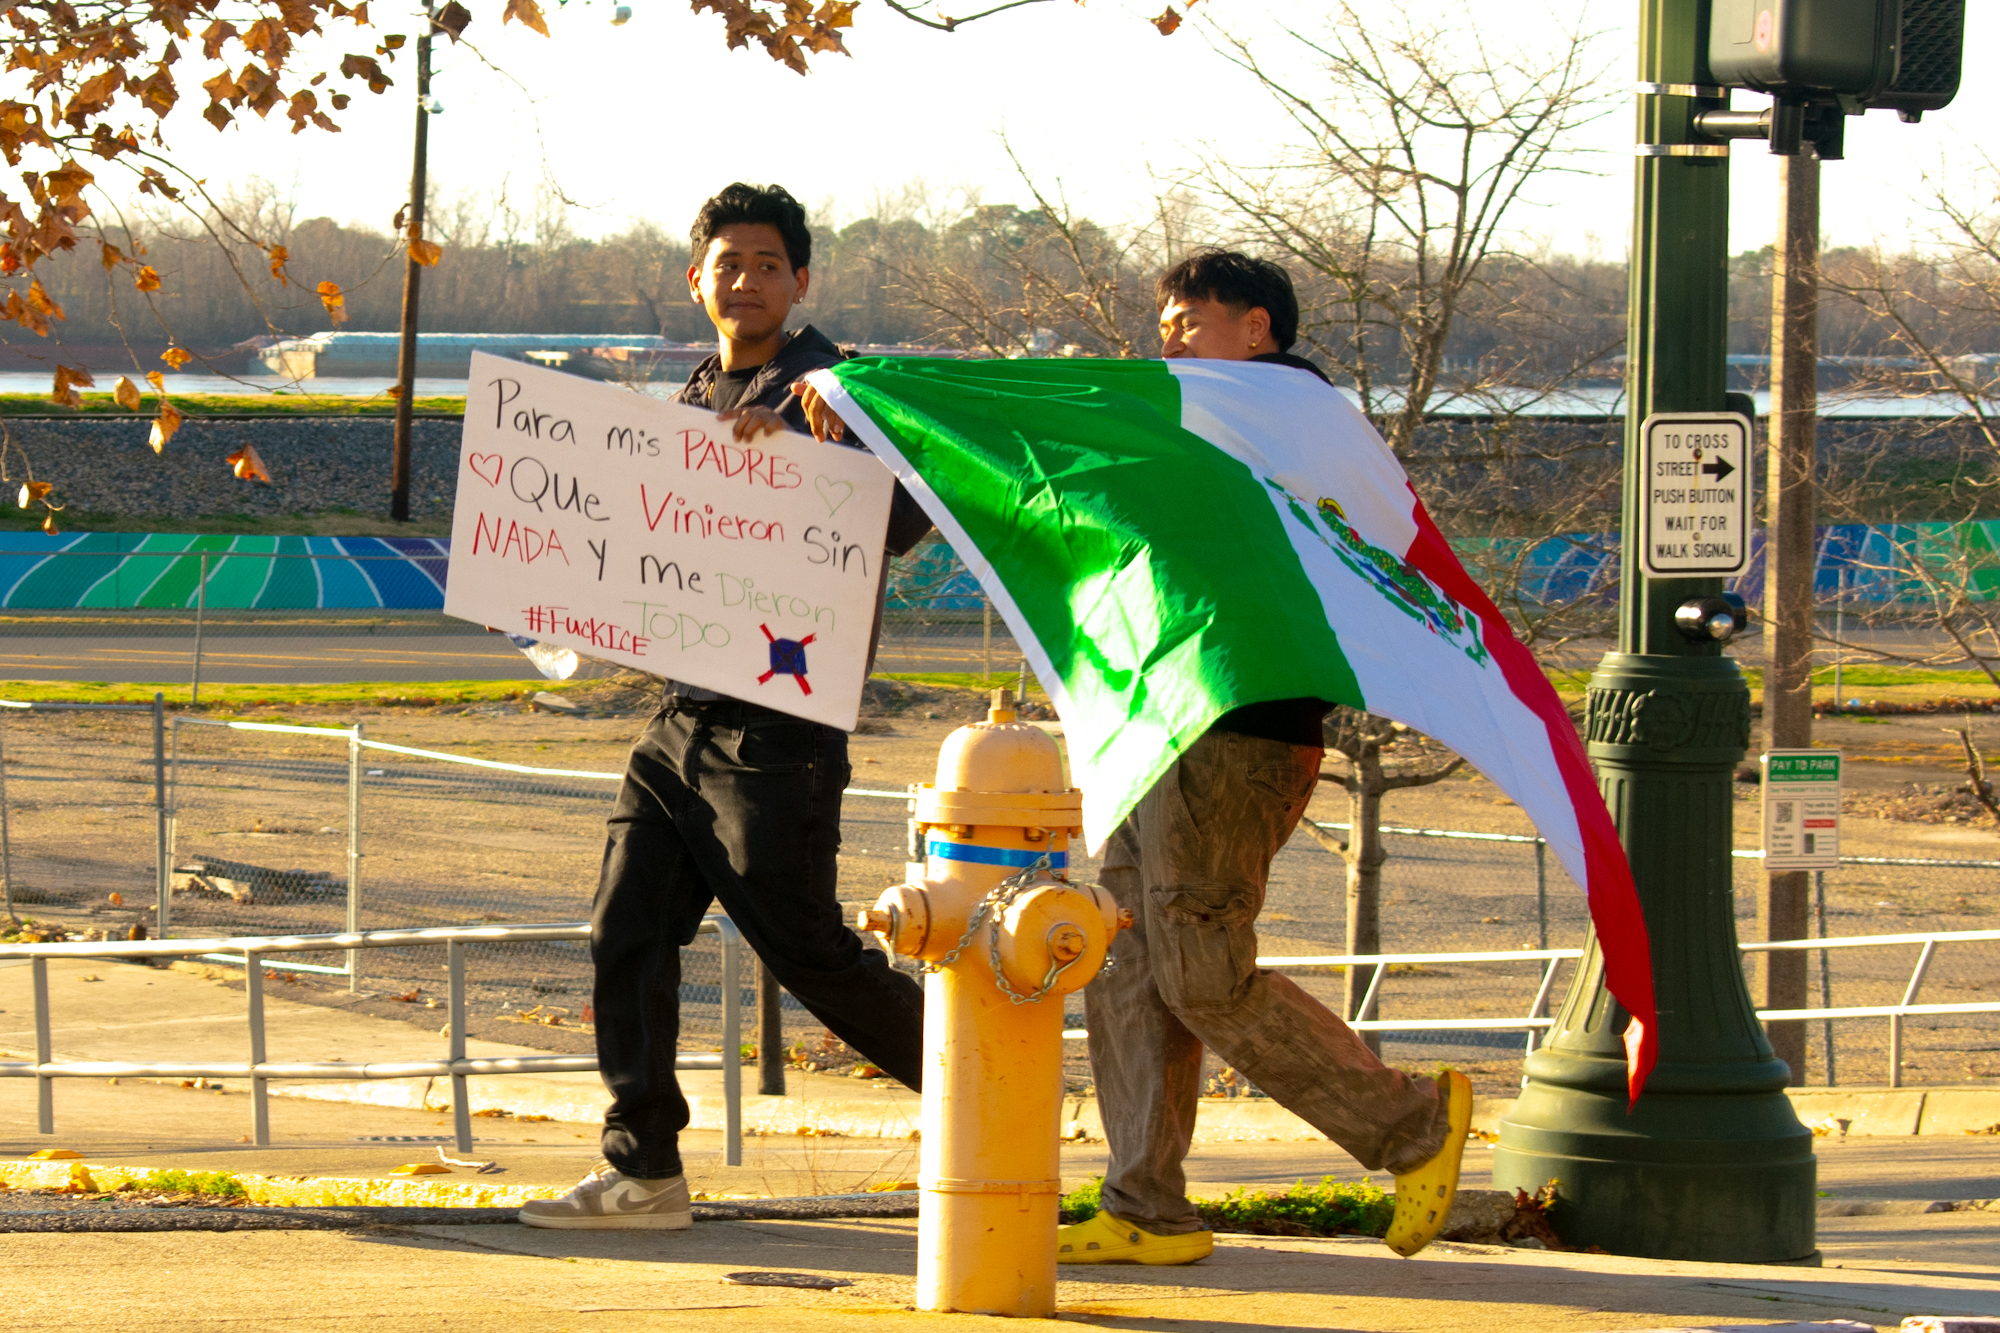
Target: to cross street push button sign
<point>1694,509</point>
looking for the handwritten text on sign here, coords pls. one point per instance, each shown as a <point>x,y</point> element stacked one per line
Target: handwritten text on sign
<point>640,532</point>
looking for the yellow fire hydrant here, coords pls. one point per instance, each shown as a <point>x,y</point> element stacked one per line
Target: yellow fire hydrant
<point>1005,936</point>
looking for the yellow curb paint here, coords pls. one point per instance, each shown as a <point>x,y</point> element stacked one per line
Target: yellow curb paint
<point>290,1191</point>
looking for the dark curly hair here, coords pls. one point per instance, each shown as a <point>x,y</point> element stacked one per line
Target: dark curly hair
<point>771,205</point>
<point>1239,281</point>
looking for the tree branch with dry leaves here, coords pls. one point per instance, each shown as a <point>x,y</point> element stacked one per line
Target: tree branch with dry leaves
<point>99,83</point>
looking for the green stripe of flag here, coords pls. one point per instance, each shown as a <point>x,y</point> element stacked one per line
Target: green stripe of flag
<point>1055,471</point>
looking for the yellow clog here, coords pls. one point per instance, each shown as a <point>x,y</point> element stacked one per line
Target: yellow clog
<point>1424,1194</point>
<point>1104,1239</point>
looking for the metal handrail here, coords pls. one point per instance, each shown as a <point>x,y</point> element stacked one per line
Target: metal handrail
<point>1536,1020</point>
<point>1865,941</point>
<point>456,1065</point>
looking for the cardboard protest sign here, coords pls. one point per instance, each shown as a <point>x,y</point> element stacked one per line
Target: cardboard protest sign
<point>639,532</point>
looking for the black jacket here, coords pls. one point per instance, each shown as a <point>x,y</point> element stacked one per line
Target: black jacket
<point>804,352</point>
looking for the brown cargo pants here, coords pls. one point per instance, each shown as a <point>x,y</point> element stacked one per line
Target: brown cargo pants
<point>1192,862</point>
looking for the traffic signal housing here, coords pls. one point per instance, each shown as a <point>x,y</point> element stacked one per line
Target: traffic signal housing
<point>1805,48</point>
<point>1824,60</point>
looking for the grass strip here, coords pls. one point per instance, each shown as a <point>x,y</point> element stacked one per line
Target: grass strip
<point>1862,680</point>
<point>217,1183</point>
<point>1330,1208</point>
<point>312,523</point>
<point>967,680</point>
<point>229,698</point>
<point>281,403</point>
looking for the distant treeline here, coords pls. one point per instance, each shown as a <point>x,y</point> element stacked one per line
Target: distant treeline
<point>991,277</point>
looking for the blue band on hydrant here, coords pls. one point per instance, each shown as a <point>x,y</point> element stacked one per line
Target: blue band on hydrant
<point>995,856</point>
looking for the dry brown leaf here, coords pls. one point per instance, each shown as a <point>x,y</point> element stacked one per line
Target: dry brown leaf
<point>279,254</point>
<point>366,68</point>
<point>127,394</point>
<point>164,426</point>
<point>425,252</point>
<point>1168,22</point>
<point>336,304</point>
<point>43,303</point>
<point>528,12</point>
<point>32,491</point>
<point>68,379</point>
<point>148,279</point>
<point>177,357</point>
<point>49,525</point>
<point>247,465</point>
<point>158,381</point>
<point>454,19</point>
<point>394,391</point>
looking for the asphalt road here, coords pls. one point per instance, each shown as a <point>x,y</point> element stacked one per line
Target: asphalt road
<point>260,660</point>
<point>331,659</point>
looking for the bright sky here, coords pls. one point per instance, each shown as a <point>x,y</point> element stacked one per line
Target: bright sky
<point>647,119</point>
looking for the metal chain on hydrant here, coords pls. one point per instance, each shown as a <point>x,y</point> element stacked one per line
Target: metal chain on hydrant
<point>1006,887</point>
<point>1000,903</point>
<point>996,901</point>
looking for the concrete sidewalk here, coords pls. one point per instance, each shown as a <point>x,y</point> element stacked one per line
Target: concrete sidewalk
<point>513,1279</point>
<point>1884,1258</point>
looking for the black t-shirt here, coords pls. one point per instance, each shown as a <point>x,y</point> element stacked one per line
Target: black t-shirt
<point>730,386</point>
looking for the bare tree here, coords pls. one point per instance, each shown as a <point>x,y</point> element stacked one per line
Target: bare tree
<point>1418,140</point>
<point>1364,741</point>
<point>1013,281</point>
<point>1922,325</point>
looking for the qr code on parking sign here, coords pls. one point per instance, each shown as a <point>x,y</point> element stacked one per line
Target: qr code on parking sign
<point>1784,815</point>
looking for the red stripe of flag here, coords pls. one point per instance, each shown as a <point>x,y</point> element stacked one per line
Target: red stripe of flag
<point>1614,901</point>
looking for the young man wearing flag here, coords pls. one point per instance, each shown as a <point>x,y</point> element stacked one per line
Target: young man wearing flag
<point>725,799</point>
<point>1192,861</point>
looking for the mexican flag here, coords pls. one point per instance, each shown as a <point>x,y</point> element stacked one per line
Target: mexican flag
<point>1169,540</point>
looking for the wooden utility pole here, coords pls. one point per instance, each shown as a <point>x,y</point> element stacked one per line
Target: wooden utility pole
<point>1790,556</point>
<point>413,227</point>
<point>770,1034</point>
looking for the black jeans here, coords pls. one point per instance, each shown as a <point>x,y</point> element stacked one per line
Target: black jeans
<point>732,802</point>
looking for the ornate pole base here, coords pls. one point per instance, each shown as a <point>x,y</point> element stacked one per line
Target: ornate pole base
<point>1713,1163</point>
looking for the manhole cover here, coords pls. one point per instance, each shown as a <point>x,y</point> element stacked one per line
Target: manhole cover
<point>813,1280</point>
<point>408,1138</point>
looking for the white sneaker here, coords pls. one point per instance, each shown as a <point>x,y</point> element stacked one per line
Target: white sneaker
<point>608,1199</point>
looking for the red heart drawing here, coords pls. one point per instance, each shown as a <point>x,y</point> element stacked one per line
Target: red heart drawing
<point>478,464</point>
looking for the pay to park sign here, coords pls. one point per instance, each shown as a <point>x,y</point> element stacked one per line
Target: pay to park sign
<point>639,532</point>
<point>1802,810</point>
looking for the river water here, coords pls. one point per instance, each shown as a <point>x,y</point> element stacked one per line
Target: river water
<point>1584,401</point>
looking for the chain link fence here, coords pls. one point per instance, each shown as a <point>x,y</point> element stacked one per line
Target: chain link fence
<point>83,796</point>
<point>109,814</point>
<point>1447,892</point>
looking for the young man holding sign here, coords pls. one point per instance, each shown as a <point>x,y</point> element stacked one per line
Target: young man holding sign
<point>724,799</point>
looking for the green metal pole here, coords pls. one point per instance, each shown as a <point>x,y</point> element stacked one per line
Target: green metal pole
<point>1712,1164</point>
